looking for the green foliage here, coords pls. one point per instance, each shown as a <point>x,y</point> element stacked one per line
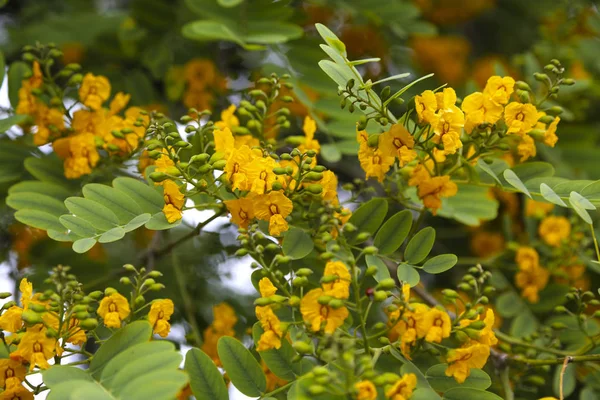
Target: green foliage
<point>442,383</point>
<point>241,367</point>
<point>205,379</point>
<point>296,244</point>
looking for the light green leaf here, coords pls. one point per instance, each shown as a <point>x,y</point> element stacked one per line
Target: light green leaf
<point>82,245</point>
<point>393,232</point>
<point>241,366</point>
<point>123,206</point>
<point>514,180</point>
<point>62,236</point>
<point>137,222</point>
<point>469,394</point>
<point>382,270</point>
<point>419,246</point>
<point>551,196</point>
<point>533,169</point>
<point>158,222</point>
<point>583,202</point>
<point>592,192</point>
<point>112,235</point>
<point>95,213</point>
<point>574,201</point>
<point>7,123</point>
<point>205,379</point>
<point>279,360</point>
<point>229,3</point>
<point>149,200</point>
<point>39,219</point>
<point>569,380</point>
<point>438,380</point>
<point>509,304</point>
<point>36,201</point>
<point>77,225</point>
<point>51,189</point>
<point>486,168</point>
<point>330,153</point>
<point>439,264</point>
<point>297,244</point>
<point>206,30</point>
<point>61,373</point>
<point>408,274</point>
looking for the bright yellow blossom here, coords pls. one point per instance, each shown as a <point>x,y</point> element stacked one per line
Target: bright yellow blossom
<point>554,230</point>
<point>462,360</point>
<point>526,148</point>
<point>398,142</point>
<point>531,280</point>
<point>114,309</point>
<point>236,169</point>
<point>437,324</point>
<point>486,334</point>
<point>228,119</point>
<point>309,128</point>
<point>224,141</point>
<point>446,100</point>
<point>28,102</point>
<point>448,129</point>
<point>174,201</point>
<point>10,321</point>
<point>159,316</point>
<point>164,162</point>
<point>520,118</point>
<point>316,314</point>
<point>527,257</point>
<point>267,289</point>
<point>426,106</point>
<point>480,109</point>
<point>329,182</point>
<point>242,211</point>
<point>260,174</point>
<point>410,327</point>
<point>273,207</point>
<point>366,390</point>
<point>432,190</point>
<point>18,392</point>
<point>271,338</point>
<point>26,289</point>
<point>403,388</point>
<point>36,348</point>
<point>94,91</point>
<point>46,119</point>
<point>340,287</point>
<point>79,153</point>
<point>499,88</point>
<point>372,160</point>
<point>12,373</point>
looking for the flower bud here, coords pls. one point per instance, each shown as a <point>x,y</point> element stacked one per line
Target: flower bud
<point>38,308</point>
<point>336,303</point>
<point>324,300</point>
<point>31,317</point>
<point>370,250</point>
<point>386,284</point>
<point>88,324</point>
<point>314,188</point>
<point>304,272</point>
<point>109,290</point>
<point>380,296</point>
<point>140,300</point>
<point>294,301</point>
<point>303,347</point>
<point>4,295</point>
<point>371,270</point>
<point>299,281</point>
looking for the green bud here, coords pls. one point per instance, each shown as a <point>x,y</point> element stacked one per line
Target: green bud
<point>558,326</point>
<point>536,380</point>
<point>304,272</point>
<point>158,176</point>
<point>314,188</point>
<point>157,286</point>
<point>336,303</point>
<point>462,337</point>
<point>324,300</point>
<point>371,270</point>
<point>263,301</point>
<point>294,301</point>
<point>220,165</point>
<point>89,324</point>
<point>31,317</point>
<point>314,176</point>
<point>140,300</point>
<point>4,295</point>
<point>95,294</point>
<point>82,315</point>
<point>386,284</point>
<point>373,140</point>
<point>109,290</point>
<point>556,110</point>
<point>370,250</point>
<point>299,281</point>
<point>380,295</point>
<point>568,82</point>
<point>155,274</point>
<point>276,186</point>
<point>316,390</point>
<point>303,347</point>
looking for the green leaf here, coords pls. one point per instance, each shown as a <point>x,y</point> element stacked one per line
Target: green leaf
<point>229,3</point>
<point>469,394</point>
<point>112,235</point>
<point>205,379</point>
<point>583,202</point>
<point>439,264</point>
<point>279,360</point>
<point>393,232</point>
<point>241,366</point>
<point>158,222</point>
<point>297,244</point>
<point>524,324</point>
<point>486,168</point>
<point>592,193</point>
<point>39,219</point>
<point>424,394</point>
<point>338,74</point>
<point>46,169</point>
<point>330,153</point>
<point>408,274</point>
<point>36,201</point>
<point>149,200</point>
<point>7,123</point>
<point>205,30</point>
<point>82,245</point>
<point>368,217</point>
<point>551,196</point>
<point>137,222</point>
<point>569,380</point>
<point>51,189</point>
<point>123,206</point>
<point>514,180</point>
<point>16,73</point>
<point>62,236</point>
<point>534,169</point>
<point>579,208</point>
<point>330,38</point>
<point>509,304</point>
<point>419,246</point>
<point>96,214</point>
<point>61,373</point>
<point>134,333</point>
<point>382,270</point>
<point>436,376</point>
<point>77,225</point>
<point>271,32</point>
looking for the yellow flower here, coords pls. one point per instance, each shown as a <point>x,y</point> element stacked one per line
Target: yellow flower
<point>267,289</point>
<point>45,119</point>
<point>223,323</point>
<point>520,118</point>
<point>36,348</point>
<point>18,392</point>
<point>273,207</point>
<point>526,148</point>
<point>118,103</point>
<point>260,174</point>
<point>372,160</point>
<point>198,99</point>
<point>113,309</point>
<point>94,91</point>
<point>76,335</point>
<point>242,211</point>
<point>79,153</point>
<point>437,324</point>
<point>531,280</point>
<point>537,209</point>
<point>10,320</point>
<point>550,137</point>
<point>271,337</point>
<point>480,109</point>
<point>426,106</point>
<point>224,141</point>
<point>485,244</point>
<point>28,102</point>
<point>12,373</point>
<point>228,119</point>
<point>418,175</point>
<point>366,390</point>
<point>317,314</point>
<point>159,316</point>
<point>527,257</point>
<point>329,182</point>
<point>164,162</point>
<point>174,201</point>
<point>309,128</point>
<point>445,100</point>
<point>403,388</point>
<point>340,286</point>
<point>499,88</point>
<point>463,359</point>
<point>26,289</point>
<point>448,129</point>
<point>554,230</point>
<point>200,73</point>
<point>236,169</point>
<point>432,190</point>
<point>398,142</point>
<point>86,121</point>
<point>411,327</point>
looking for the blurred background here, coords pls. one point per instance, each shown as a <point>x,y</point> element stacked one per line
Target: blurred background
<point>174,54</point>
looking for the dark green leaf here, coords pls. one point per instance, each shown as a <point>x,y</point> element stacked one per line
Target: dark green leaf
<point>509,304</point>
<point>279,360</point>
<point>77,225</point>
<point>241,366</point>
<point>469,394</point>
<point>439,264</point>
<point>149,200</point>
<point>419,246</point>
<point>48,188</point>
<point>205,379</point>
<point>393,232</point>
<point>36,201</point>
<point>569,380</point>
<point>368,217</point>
<point>408,274</point>
<point>297,244</point>
<point>436,376</point>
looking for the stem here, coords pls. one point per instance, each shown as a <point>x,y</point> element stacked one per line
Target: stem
<point>595,242</point>
<point>279,389</point>
<point>508,392</point>
<point>562,377</point>
<point>559,361</point>
<point>509,339</point>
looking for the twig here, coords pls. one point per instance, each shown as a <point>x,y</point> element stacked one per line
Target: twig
<point>562,375</point>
